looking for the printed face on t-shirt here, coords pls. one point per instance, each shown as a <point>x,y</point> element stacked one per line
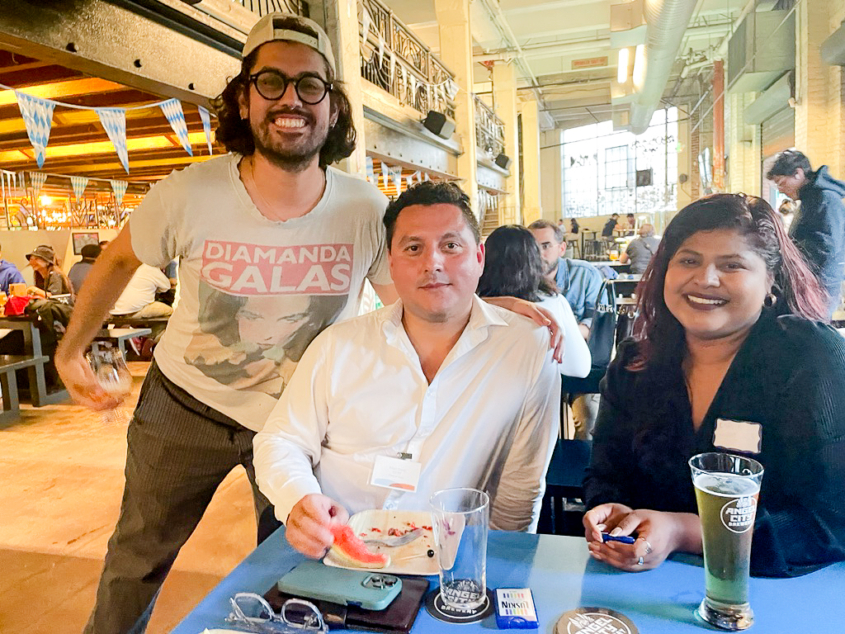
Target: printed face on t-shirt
<point>268,322</point>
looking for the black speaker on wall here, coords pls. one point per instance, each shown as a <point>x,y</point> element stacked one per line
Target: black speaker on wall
<point>503,161</point>
<point>437,123</point>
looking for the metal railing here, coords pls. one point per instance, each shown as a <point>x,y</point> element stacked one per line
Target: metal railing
<point>263,7</point>
<point>414,76</point>
<point>489,130</point>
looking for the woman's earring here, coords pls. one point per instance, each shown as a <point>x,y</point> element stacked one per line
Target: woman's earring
<point>770,300</point>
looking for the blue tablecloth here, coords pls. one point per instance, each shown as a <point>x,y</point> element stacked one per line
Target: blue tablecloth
<point>562,576</point>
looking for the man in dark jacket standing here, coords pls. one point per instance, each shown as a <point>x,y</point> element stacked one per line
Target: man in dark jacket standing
<point>819,228</point>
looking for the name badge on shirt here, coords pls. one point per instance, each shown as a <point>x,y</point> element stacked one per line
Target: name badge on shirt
<point>737,435</point>
<point>396,473</point>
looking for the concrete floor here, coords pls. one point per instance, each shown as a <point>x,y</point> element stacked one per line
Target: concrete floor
<point>61,470</point>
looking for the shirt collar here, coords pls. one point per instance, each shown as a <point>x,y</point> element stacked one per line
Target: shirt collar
<point>482,316</point>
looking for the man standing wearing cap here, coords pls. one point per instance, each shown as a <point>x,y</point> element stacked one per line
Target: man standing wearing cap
<point>274,246</point>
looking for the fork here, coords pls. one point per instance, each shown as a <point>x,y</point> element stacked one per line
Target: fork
<point>395,542</point>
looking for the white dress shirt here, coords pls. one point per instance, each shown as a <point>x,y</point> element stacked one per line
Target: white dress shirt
<point>488,420</point>
<point>577,359</point>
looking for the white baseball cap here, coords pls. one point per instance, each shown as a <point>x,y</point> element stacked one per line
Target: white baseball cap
<point>270,28</point>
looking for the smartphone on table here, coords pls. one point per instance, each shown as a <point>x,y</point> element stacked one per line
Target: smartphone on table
<point>315,580</point>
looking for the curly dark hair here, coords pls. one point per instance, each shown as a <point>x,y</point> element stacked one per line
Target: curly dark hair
<point>788,162</point>
<point>235,134</point>
<point>513,266</point>
<point>431,193</point>
<point>798,291</point>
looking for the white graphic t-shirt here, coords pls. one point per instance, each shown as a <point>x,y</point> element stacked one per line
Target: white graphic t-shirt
<point>254,292</point>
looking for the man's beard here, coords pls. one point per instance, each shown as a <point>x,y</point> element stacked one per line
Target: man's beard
<point>550,267</point>
<point>294,157</point>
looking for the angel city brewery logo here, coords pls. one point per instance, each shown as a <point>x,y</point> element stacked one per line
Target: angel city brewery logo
<point>738,514</point>
<point>256,269</point>
<point>594,621</point>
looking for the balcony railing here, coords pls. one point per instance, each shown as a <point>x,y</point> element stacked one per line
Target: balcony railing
<point>489,130</point>
<point>403,65</point>
<point>263,7</point>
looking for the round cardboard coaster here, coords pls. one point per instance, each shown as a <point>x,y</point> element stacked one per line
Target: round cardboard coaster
<point>595,621</point>
<point>439,610</point>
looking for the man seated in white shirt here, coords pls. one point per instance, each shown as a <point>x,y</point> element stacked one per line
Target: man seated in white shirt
<point>440,386</point>
<point>138,299</point>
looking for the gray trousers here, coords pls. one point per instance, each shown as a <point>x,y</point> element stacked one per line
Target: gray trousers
<point>179,451</point>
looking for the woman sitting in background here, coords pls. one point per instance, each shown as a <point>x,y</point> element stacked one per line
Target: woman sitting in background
<point>49,278</point>
<point>513,267</point>
<point>728,340</point>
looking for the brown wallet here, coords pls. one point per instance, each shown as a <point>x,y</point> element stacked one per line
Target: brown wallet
<point>399,616</point>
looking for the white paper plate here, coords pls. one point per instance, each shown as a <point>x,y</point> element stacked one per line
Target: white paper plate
<point>410,559</point>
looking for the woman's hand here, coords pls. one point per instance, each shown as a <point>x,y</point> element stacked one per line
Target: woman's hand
<point>538,315</point>
<point>659,534</point>
<point>34,290</point>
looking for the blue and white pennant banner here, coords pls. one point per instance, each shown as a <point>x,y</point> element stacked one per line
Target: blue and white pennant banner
<point>371,173</point>
<point>79,183</point>
<point>206,126</point>
<point>114,122</point>
<point>119,189</point>
<point>38,118</point>
<point>37,179</point>
<point>172,109</point>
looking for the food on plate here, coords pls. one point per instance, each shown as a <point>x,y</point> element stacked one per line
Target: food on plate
<point>351,551</point>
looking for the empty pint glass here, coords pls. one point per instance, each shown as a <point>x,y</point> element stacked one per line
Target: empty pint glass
<point>727,488</point>
<point>460,518</point>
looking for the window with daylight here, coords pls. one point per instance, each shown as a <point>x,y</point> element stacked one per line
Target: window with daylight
<point>599,168</point>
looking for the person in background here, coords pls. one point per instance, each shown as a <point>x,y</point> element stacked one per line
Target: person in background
<point>631,220</point>
<point>580,283</point>
<point>730,355</point>
<point>49,278</point>
<point>560,222</point>
<point>514,267</point>
<point>78,272</point>
<point>104,244</point>
<point>138,299</point>
<point>574,227</point>
<point>610,227</point>
<point>9,274</point>
<point>788,209</point>
<point>640,250</point>
<point>819,230</point>
<point>474,394</point>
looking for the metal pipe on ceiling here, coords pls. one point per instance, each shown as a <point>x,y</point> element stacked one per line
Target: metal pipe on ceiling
<point>666,22</point>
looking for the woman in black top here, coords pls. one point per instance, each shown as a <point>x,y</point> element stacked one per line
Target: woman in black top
<point>729,334</point>
<point>574,227</point>
<point>49,278</point>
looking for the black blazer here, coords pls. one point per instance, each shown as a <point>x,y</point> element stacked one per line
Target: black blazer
<point>789,376</point>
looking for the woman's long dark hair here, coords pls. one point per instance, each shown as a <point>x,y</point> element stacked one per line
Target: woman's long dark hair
<point>796,288</point>
<point>513,266</point>
<point>235,134</point>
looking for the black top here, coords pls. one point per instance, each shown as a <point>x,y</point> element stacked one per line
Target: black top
<point>609,227</point>
<point>789,376</point>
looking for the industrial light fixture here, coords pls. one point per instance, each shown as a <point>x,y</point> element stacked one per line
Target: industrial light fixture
<point>622,65</point>
<point>639,66</point>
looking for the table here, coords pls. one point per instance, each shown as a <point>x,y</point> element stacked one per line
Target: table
<point>562,577</point>
<point>38,394</point>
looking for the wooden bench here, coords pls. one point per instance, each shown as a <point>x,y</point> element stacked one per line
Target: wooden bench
<point>119,336</point>
<point>9,364</point>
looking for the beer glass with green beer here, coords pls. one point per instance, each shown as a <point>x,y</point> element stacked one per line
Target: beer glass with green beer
<point>727,488</point>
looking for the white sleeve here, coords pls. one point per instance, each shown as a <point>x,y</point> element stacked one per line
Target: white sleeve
<point>577,359</point>
<point>289,446</point>
<point>161,280</point>
<point>153,225</point>
<point>519,496</point>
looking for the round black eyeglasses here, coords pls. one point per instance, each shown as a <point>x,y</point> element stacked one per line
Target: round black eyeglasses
<point>272,85</point>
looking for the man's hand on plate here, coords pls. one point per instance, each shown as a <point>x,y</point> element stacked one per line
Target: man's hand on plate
<point>308,526</point>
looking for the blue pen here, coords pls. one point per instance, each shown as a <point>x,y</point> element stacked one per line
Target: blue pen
<point>624,539</point>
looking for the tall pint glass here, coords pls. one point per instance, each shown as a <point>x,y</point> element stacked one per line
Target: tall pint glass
<point>460,520</point>
<point>726,488</point>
